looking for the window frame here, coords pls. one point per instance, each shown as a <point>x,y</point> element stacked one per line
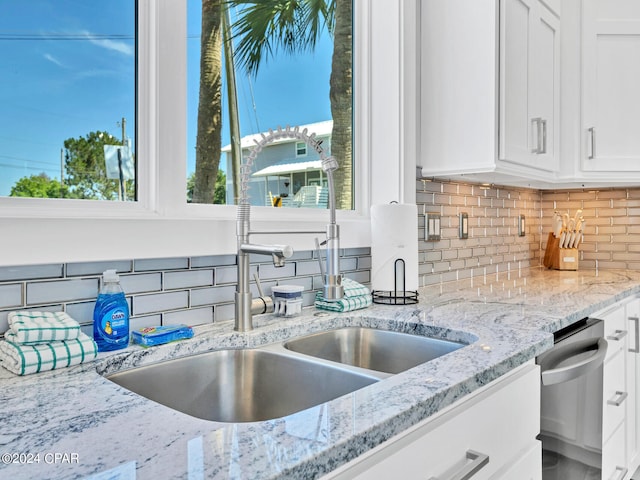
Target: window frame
<point>161,223</point>
<point>299,147</point>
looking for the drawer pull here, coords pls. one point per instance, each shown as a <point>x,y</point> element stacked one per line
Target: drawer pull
<point>618,398</point>
<point>623,471</point>
<point>617,335</point>
<point>478,461</point>
<point>636,349</point>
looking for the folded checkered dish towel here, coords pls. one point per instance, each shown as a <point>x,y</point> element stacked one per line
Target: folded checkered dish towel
<point>356,296</point>
<point>32,328</point>
<point>25,359</point>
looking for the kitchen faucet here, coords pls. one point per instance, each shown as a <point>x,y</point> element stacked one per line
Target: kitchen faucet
<point>246,306</point>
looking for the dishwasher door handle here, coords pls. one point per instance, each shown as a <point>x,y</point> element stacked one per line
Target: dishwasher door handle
<point>552,376</point>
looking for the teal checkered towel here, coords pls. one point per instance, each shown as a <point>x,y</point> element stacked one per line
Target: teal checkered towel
<point>356,296</point>
<point>25,359</point>
<point>32,328</point>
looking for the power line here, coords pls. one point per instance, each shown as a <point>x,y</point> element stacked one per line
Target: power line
<point>64,36</point>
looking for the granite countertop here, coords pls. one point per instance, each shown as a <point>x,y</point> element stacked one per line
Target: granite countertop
<point>73,423</point>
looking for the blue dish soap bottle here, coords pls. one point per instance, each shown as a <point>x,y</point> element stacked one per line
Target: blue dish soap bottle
<point>111,315</point>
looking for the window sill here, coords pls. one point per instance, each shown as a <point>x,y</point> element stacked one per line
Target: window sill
<point>102,232</point>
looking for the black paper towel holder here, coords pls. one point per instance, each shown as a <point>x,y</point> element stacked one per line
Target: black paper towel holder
<point>397,296</point>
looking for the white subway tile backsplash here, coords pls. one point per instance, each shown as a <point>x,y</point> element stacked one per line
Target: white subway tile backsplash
<point>160,302</point>
<point>187,279</point>
<point>136,323</point>
<point>193,316</point>
<point>213,295</point>
<point>141,283</point>
<point>10,295</point>
<point>206,286</point>
<point>29,272</point>
<point>145,265</point>
<point>308,268</point>
<point>224,312</point>
<point>81,312</point>
<point>269,271</point>
<point>97,268</point>
<point>212,261</point>
<point>61,291</point>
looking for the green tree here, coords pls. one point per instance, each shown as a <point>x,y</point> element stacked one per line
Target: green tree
<point>85,169</point>
<point>220,189</point>
<point>266,26</point>
<point>39,186</point>
<point>209,126</point>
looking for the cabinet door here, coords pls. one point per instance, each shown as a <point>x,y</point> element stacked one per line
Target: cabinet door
<point>529,84</point>
<point>478,435</point>
<point>517,129</point>
<point>527,467</point>
<point>633,384</point>
<point>545,86</point>
<point>611,85</point>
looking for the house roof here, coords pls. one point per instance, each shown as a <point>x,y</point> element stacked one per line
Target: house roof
<point>321,129</point>
<point>288,166</point>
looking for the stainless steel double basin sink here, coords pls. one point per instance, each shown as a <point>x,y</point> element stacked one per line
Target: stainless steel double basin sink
<point>249,385</point>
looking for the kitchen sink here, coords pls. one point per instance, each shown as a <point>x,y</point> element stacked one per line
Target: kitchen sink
<point>241,385</point>
<point>373,349</point>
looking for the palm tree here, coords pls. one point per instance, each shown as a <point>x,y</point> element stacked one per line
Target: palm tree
<point>209,133</point>
<point>265,26</point>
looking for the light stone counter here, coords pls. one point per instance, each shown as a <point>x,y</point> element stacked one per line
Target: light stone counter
<point>73,423</point>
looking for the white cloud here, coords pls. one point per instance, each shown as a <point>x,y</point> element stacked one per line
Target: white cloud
<point>53,60</point>
<point>113,45</point>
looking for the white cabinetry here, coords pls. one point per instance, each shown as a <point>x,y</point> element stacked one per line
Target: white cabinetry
<point>529,84</point>
<point>489,89</point>
<point>475,434</point>
<point>620,455</point>
<point>611,88</point>
<point>633,382</point>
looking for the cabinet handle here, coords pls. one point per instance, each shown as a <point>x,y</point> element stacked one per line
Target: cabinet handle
<point>478,461</point>
<point>623,471</point>
<point>544,136</point>
<point>535,127</point>
<point>637,322</point>
<point>617,335</point>
<point>592,131</point>
<point>617,399</point>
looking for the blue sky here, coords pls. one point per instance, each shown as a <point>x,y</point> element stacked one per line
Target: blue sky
<point>68,70</point>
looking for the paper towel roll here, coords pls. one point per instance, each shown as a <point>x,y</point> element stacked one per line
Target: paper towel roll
<point>394,235</point>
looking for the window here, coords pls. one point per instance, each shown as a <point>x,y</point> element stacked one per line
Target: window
<point>160,223</point>
<point>301,149</point>
<point>67,125</point>
<point>277,83</point>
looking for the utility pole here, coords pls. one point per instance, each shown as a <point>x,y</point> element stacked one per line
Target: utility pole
<point>61,171</point>
<point>123,190</point>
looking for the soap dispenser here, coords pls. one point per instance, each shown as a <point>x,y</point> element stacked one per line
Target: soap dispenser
<point>111,315</point>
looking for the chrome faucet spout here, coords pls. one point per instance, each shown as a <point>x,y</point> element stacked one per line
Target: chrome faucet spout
<point>246,306</point>
<point>278,252</point>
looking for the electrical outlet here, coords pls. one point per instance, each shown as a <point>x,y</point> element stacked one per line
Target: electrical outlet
<point>432,227</point>
<point>463,231</point>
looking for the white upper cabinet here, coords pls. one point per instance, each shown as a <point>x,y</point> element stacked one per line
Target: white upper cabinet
<point>490,90</point>
<point>611,89</point>
<point>529,84</point>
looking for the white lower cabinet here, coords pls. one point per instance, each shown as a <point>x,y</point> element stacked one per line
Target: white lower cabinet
<point>490,434</point>
<point>527,467</point>
<point>620,456</point>
<point>633,382</point>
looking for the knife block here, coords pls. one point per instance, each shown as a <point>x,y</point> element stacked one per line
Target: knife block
<point>559,258</point>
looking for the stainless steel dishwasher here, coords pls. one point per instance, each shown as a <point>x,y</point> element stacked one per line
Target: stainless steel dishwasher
<point>571,402</point>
